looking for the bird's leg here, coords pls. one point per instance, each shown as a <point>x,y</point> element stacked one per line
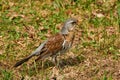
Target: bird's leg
<point>55,61</point>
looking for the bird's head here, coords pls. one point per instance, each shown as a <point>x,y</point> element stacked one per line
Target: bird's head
<point>69,25</point>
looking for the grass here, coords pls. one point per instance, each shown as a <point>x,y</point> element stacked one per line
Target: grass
<point>24,24</point>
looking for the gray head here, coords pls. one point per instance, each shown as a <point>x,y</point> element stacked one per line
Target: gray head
<point>68,25</point>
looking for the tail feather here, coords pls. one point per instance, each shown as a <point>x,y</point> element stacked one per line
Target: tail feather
<point>22,61</point>
<point>35,53</point>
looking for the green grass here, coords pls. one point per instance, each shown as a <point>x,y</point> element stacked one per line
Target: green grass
<point>6,75</point>
<point>24,24</point>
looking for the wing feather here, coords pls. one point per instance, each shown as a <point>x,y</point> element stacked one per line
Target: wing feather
<point>53,46</point>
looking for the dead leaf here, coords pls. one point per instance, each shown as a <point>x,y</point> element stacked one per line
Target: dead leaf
<point>98,14</point>
<point>59,26</point>
<point>110,30</point>
<point>1,52</point>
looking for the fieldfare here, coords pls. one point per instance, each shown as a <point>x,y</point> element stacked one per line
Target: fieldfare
<point>55,45</point>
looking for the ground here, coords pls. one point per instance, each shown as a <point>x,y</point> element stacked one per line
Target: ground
<point>95,55</point>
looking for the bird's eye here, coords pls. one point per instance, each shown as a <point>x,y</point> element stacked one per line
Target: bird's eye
<point>73,23</point>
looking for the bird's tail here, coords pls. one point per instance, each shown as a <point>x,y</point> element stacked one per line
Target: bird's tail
<point>22,61</point>
<point>35,53</point>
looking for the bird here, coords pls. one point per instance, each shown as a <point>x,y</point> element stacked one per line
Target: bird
<point>55,45</point>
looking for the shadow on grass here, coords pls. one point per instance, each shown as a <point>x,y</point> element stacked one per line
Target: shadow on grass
<point>37,68</point>
<point>63,62</point>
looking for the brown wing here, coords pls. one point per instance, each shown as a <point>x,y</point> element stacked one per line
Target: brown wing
<point>53,45</point>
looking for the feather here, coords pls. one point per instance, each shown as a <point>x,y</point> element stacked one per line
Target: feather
<point>36,52</point>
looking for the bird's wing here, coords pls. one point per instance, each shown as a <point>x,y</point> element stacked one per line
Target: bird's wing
<point>52,46</point>
<point>39,49</point>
